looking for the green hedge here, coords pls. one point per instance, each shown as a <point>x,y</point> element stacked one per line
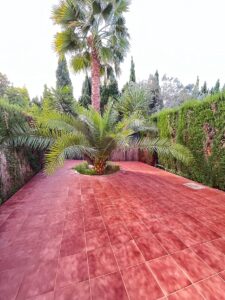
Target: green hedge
<point>199,125</point>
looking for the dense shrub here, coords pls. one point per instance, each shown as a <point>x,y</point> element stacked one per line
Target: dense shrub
<point>199,125</point>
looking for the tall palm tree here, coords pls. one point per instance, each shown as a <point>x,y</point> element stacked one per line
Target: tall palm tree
<point>90,135</point>
<point>94,33</point>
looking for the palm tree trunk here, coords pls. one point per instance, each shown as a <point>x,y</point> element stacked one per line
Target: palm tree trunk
<point>99,166</point>
<point>95,80</point>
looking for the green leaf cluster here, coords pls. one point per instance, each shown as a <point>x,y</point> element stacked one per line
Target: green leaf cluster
<point>200,126</point>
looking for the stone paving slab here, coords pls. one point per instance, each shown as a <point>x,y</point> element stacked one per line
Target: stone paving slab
<point>138,234</point>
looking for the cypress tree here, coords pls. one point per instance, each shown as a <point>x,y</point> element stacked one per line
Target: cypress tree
<point>64,88</point>
<point>132,76</point>
<point>156,103</point>
<point>216,87</point>
<point>62,74</point>
<point>85,99</point>
<point>36,101</point>
<point>4,84</point>
<point>195,93</point>
<point>109,90</point>
<point>132,71</point>
<point>204,89</point>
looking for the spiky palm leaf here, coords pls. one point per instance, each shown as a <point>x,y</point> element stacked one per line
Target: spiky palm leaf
<point>165,148</point>
<point>134,100</point>
<point>91,134</point>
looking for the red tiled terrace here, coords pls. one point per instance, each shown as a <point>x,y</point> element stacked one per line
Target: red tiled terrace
<point>136,234</point>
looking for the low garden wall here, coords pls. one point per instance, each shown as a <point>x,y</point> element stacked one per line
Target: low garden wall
<point>199,125</point>
<point>16,168</point>
<point>128,155</point>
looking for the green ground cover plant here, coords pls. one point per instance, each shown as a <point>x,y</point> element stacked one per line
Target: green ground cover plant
<point>86,169</point>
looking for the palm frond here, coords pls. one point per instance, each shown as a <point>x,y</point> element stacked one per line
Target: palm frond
<point>67,41</point>
<point>67,146</point>
<point>36,139</point>
<point>81,62</point>
<point>165,148</point>
<point>135,100</point>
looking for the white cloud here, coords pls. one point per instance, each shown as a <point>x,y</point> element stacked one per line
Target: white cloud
<point>182,38</point>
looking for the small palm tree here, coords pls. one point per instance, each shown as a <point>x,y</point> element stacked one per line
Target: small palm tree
<point>91,135</point>
<point>95,34</point>
<point>134,99</point>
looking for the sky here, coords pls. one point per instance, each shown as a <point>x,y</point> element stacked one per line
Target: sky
<point>182,38</point>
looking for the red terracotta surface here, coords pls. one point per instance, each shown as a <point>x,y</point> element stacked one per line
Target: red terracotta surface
<point>212,288</point>
<point>140,283</point>
<point>170,276</point>
<point>186,294</point>
<point>137,234</point>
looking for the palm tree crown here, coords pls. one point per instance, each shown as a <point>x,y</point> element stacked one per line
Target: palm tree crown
<point>95,34</point>
<point>88,134</point>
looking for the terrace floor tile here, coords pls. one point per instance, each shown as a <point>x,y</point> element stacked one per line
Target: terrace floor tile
<point>150,247</point>
<point>101,262</point>
<point>134,235</point>
<point>212,288</point>
<point>170,241</point>
<point>141,284</point>
<point>186,294</point>
<point>193,265</point>
<point>127,254</point>
<point>108,287</point>
<point>72,269</point>
<point>169,274</point>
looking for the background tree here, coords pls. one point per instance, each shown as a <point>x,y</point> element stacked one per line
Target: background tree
<point>64,101</point>
<point>85,99</point>
<point>95,33</point>
<point>36,101</point>
<point>109,90</point>
<point>134,100</point>
<point>156,101</point>
<point>132,76</point>
<point>4,84</point>
<point>62,74</point>
<point>216,88</point>
<point>196,91</point>
<point>223,88</point>
<point>18,96</point>
<point>48,99</point>
<point>174,92</point>
<point>204,89</point>
<point>132,71</point>
<point>64,89</point>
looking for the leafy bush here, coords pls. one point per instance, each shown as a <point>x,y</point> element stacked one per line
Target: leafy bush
<point>83,168</point>
<point>199,125</point>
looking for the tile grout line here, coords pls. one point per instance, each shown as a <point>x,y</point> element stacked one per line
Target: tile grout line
<point>169,254</point>
<point>192,283</point>
<point>154,276</point>
<point>86,251</point>
<point>180,267</point>
<point>156,279</point>
<point>54,290</point>
<point>113,251</point>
